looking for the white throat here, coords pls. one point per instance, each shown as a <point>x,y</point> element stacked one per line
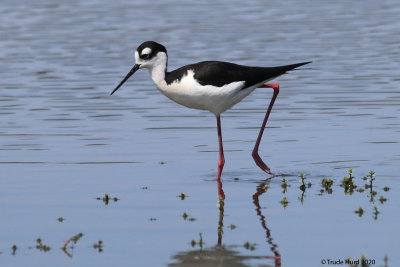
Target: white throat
<point>158,68</point>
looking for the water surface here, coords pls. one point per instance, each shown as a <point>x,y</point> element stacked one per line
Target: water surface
<point>64,142</point>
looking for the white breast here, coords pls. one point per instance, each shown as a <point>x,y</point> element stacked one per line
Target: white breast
<point>188,92</point>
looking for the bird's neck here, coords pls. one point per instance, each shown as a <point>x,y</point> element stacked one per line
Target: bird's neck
<point>159,69</point>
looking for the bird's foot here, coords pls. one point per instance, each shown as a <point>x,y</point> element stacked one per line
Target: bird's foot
<point>260,163</point>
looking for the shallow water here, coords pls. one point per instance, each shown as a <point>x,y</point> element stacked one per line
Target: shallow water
<point>65,142</point>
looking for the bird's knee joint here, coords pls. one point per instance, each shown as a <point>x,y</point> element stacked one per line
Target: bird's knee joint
<point>274,86</point>
<point>221,163</point>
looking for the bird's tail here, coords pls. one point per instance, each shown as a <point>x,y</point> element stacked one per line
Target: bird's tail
<point>284,69</point>
<point>274,72</point>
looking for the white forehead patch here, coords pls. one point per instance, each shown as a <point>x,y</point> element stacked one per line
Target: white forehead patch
<point>146,51</point>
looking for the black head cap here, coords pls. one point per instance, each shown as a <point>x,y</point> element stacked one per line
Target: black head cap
<point>151,48</point>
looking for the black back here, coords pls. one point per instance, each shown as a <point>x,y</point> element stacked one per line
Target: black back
<point>218,73</point>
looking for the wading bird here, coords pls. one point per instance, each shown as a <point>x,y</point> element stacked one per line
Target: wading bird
<point>209,85</point>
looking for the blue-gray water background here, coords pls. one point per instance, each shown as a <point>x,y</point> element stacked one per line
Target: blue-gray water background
<point>65,142</point>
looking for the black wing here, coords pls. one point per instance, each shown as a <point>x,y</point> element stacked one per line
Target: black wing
<point>218,73</point>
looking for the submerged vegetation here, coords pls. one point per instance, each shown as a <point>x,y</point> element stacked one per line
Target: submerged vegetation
<point>249,246</point>
<point>359,211</point>
<point>42,247</point>
<point>348,183</point>
<point>98,246</point>
<point>303,186</point>
<point>199,243</point>
<point>284,202</point>
<point>284,185</point>
<point>106,199</point>
<point>327,185</point>
<point>14,250</point>
<point>182,196</point>
<point>74,240</point>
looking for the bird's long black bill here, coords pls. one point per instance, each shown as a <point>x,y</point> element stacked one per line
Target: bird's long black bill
<point>131,72</point>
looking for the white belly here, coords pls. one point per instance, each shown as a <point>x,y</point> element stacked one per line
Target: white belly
<point>188,92</point>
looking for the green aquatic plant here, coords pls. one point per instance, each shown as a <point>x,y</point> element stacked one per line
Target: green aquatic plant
<point>386,188</point>
<point>232,226</point>
<point>73,239</point>
<point>359,211</point>
<point>376,212</point>
<point>327,185</point>
<point>185,216</point>
<point>266,188</point>
<point>284,202</point>
<point>327,182</point>
<point>201,241</point>
<point>382,199</point>
<point>284,185</point>
<point>348,183</point>
<point>363,260</point>
<point>302,196</point>
<point>98,246</point>
<point>193,243</point>
<point>370,178</point>
<point>373,193</point>
<point>76,238</point>
<point>42,247</point>
<point>182,196</point>
<point>60,219</point>
<point>249,246</point>
<point>106,199</point>
<point>14,250</point>
<point>302,178</point>
<point>302,186</point>
<point>360,190</point>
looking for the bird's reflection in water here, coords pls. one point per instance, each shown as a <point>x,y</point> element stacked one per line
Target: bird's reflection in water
<point>221,197</point>
<point>229,255</point>
<point>260,189</point>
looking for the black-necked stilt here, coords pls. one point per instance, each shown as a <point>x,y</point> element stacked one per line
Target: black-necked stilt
<point>209,85</point>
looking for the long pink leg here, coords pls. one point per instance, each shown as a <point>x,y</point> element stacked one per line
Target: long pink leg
<point>260,163</point>
<point>221,161</point>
